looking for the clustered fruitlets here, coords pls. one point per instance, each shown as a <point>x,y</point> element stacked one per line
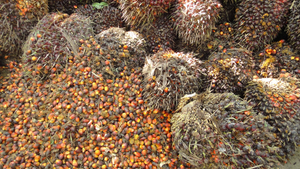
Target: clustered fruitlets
<point>277,58</point>
<point>258,22</point>
<point>169,76</point>
<point>229,70</point>
<point>102,19</point>
<point>279,101</point>
<point>217,130</point>
<point>293,26</point>
<point>159,34</point>
<point>194,20</point>
<point>17,18</point>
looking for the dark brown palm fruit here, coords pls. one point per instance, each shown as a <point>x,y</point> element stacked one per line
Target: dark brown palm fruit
<point>118,50</point>
<point>168,76</point>
<point>278,100</point>
<point>54,39</point>
<point>214,130</point>
<point>17,19</point>
<point>103,18</point>
<point>141,12</point>
<point>293,26</point>
<point>258,22</point>
<point>221,37</point>
<point>275,59</point>
<point>229,70</point>
<point>194,20</point>
<point>159,34</point>
<point>66,6</point>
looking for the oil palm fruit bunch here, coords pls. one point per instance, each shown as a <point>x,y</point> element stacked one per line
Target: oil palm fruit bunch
<point>141,12</point>
<point>52,41</point>
<point>277,58</point>
<point>121,49</point>
<point>17,19</point>
<point>259,22</point>
<point>221,37</point>
<point>220,130</point>
<point>159,34</point>
<point>103,18</point>
<point>168,76</point>
<point>278,100</point>
<point>293,26</point>
<point>194,20</point>
<point>229,70</point>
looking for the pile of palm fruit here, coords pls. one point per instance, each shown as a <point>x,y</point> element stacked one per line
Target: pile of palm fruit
<point>149,84</point>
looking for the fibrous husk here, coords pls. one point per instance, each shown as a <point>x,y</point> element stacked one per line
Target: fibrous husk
<point>168,76</point>
<point>213,130</point>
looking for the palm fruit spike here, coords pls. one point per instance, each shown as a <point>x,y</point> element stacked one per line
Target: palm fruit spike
<point>213,130</point>
<point>120,50</point>
<point>229,70</point>
<point>168,76</point>
<point>278,100</point>
<point>293,26</point>
<point>160,34</point>
<point>275,59</point>
<point>66,6</point>
<point>141,12</point>
<point>102,19</point>
<point>17,19</point>
<point>194,20</point>
<point>258,22</point>
<point>52,42</point>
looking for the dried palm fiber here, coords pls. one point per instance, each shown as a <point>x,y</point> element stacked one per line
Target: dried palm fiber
<point>229,70</point>
<point>293,26</point>
<point>121,50</point>
<point>17,19</point>
<point>195,19</point>
<point>258,22</point>
<point>278,99</point>
<point>168,76</point>
<point>102,19</point>
<point>52,41</point>
<point>213,130</point>
<point>277,58</point>
<point>159,34</point>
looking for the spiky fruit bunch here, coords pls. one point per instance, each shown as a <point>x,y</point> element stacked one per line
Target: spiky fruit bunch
<point>103,18</point>
<point>17,18</point>
<point>279,101</point>
<point>221,130</point>
<point>258,22</point>
<point>121,49</point>
<point>293,25</point>
<point>229,70</point>
<point>168,76</point>
<point>194,20</point>
<point>141,12</point>
<point>159,34</point>
<point>52,42</point>
<point>277,58</point>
